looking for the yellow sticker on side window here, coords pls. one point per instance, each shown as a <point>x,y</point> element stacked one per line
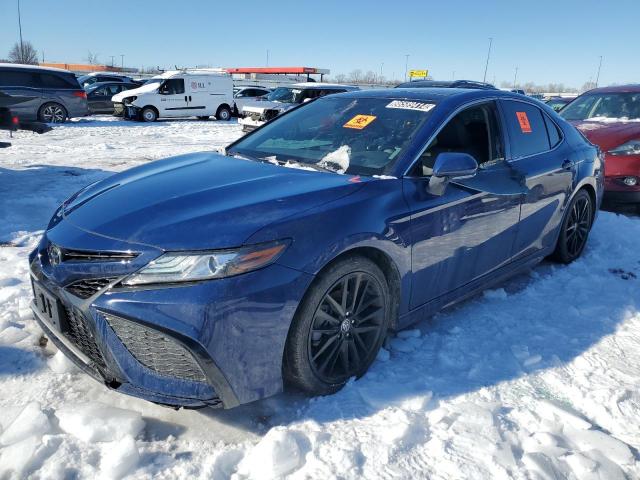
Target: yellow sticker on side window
<point>359,121</point>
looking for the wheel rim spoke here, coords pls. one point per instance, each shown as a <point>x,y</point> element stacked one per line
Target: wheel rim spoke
<point>346,327</point>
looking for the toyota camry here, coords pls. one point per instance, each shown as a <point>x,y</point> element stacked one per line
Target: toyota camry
<point>220,279</point>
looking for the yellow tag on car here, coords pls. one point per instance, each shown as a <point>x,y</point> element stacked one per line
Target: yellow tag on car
<point>359,121</point>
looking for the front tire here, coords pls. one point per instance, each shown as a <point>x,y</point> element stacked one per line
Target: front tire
<point>339,327</point>
<point>149,114</point>
<point>575,228</point>
<point>52,113</point>
<point>223,113</point>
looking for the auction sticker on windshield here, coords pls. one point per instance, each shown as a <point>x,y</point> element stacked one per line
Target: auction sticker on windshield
<point>408,105</point>
<point>359,121</point>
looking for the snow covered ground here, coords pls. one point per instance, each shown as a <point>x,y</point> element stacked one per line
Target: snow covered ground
<point>536,380</point>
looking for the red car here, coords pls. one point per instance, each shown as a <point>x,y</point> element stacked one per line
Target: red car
<point>610,118</point>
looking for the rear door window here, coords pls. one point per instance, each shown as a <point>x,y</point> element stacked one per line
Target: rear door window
<point>49,80</point>
<point>527,128</point>
<point>18,79</point>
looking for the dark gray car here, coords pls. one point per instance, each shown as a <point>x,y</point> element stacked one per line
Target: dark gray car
<point>56,94</point>
<point>99,95</point>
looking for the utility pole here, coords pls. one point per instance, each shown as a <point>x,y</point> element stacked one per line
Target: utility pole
<point>122,61</point>
<point>598,75</point>
<point>487,64</point>
<point>406,66</point>
<point>20,30</point>
<point>112,57</point>
<point>43,55</point>
<point>267,57</point>
<point>381,65</point>
<point>515,77</point>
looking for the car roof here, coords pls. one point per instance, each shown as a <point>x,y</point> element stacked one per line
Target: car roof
<point>33,67</point>
<point>110,74</point>
<point>447,84</point>
<point>630,88</point>
<point>326,86</point>
<point>453,96</point>
<point>102,84</point>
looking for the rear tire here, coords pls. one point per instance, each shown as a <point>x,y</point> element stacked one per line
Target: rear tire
<point>339,327</point>
<point>223,113</point>
<point>575,228</point>
<point>52,112</point>
<point>149,114</point>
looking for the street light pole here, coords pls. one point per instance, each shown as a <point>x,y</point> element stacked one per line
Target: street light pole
<point>453,75</point>
<point>515,78</point>
<point>406,66</point>
<point>122,61</point>
<point>487,64</point>
<point>20,29</point>
<point>598,75</point>
<point>381,65</point>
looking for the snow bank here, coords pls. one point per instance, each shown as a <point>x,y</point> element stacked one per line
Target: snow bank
<point>276,455</point>
<point>96,422</point>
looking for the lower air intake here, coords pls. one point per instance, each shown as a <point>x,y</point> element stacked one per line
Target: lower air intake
<point>155,350</point>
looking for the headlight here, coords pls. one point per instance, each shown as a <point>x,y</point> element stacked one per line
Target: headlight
<point>630,148</point>
<point>190,267</point>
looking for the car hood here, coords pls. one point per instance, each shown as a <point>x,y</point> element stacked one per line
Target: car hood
<point>261,106</point>
<point>118,97</point>
<point>200,201</point>
<point>609,134</point>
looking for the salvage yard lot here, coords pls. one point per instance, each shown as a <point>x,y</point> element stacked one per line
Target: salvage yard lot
<point>539,379</point>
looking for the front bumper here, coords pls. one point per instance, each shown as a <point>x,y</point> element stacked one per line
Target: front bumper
<point>235,329</point>
<point>249,124</point>
<point>613,198</point>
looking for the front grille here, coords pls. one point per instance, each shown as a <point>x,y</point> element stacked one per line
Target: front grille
<point>89,286</point>
<point>82,336</point>
<point>270,114</point>
<point>155,350</point>
<point>95,256</point>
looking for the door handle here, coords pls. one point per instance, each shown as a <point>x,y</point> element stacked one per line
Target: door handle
<point>567,165</point>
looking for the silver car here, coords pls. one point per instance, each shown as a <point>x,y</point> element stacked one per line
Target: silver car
<point>54,94</point>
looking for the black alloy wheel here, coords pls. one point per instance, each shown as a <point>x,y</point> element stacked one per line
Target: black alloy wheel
<point>575,228</point>
<point>346,327</point>
<point>339,327</point>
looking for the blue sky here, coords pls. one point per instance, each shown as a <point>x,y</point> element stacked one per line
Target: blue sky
<point>550,41</point>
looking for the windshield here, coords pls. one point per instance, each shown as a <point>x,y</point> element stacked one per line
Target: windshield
<point>285,95</point>
<point>358,136</point>
<point>85,80</point>
<point>623,106</point>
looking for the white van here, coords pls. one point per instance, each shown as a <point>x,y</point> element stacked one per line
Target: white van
<point>181,93</point>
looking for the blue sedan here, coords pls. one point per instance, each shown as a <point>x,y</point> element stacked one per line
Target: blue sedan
<point>211,279</point>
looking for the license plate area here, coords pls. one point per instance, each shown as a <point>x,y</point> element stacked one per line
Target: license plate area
<point>49,307</point>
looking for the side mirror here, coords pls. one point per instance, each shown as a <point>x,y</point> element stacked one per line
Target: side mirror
<point>451,166</point>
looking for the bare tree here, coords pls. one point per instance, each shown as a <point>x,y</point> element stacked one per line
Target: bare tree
<point>355,76</point>
<point>92,58</point>
<point>341,78</point>
<point>23,53</point>
<point>369,77</point>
